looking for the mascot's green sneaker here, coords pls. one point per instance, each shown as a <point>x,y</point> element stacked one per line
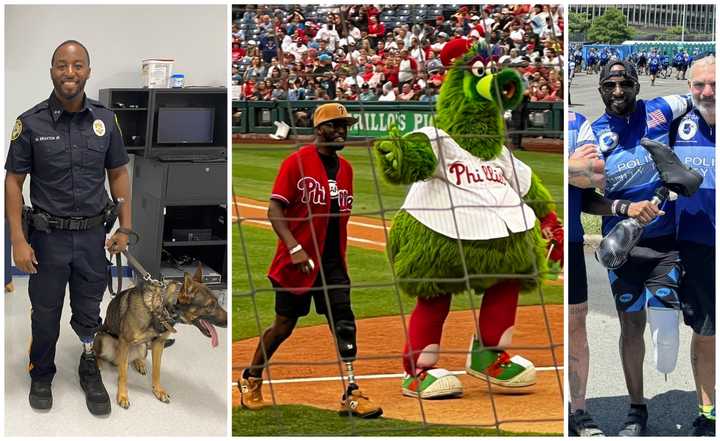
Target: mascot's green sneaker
<point>432,383</point>
<point>498,367</point>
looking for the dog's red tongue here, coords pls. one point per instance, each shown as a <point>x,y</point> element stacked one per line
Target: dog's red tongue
<point>213,333</point>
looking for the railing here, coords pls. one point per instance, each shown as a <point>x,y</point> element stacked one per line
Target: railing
<point>374,117</point>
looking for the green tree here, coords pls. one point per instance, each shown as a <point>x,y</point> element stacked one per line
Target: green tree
<point>610,28</point>
<point>579,22</point>
<point>671,34</point>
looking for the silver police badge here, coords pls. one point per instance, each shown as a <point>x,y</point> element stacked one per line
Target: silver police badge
<point>99,127</point>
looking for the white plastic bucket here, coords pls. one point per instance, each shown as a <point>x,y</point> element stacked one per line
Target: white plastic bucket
<point>156,72</point>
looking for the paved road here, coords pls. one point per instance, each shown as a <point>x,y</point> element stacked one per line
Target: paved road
<point>585,98</point>
<point>671,403</point>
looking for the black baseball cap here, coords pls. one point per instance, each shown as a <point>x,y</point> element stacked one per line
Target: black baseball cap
<point>630,71</point>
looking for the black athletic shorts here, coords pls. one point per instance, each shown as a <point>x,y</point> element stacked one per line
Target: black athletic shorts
<point>642,281</point>
<point>288,304</point>
<point>697,290</point>
<point>577,275</point>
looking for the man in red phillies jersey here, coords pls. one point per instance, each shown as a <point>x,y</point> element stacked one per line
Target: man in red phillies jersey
<point>309,211</point>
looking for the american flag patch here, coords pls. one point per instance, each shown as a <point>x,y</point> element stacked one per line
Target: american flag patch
<point>655,118</point>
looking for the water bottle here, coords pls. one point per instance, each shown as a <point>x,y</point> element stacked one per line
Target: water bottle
<point>615,247</point>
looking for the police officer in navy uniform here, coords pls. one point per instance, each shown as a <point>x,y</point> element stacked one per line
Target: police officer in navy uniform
<point>67,144</point>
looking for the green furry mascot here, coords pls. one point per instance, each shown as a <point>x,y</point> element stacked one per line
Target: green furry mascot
<point>474,218</point>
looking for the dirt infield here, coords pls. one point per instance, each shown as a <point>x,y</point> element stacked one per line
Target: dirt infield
<point>309,354</point>
<point>364,232</point>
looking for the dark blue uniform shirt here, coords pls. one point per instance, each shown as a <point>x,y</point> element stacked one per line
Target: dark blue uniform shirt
<point>66,155</point>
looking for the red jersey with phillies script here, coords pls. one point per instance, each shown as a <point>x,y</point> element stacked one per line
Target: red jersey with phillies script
<point>303,188</point>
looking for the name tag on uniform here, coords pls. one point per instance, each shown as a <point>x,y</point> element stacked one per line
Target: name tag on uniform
<point>47,138</point>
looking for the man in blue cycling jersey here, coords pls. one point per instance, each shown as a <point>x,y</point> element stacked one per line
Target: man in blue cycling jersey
<point>586,172</point>
<point>693,139</point>
<point>631,176</point>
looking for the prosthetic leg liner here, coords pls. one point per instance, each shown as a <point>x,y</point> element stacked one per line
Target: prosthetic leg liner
<point>664,324</point>
<point>346,340</point>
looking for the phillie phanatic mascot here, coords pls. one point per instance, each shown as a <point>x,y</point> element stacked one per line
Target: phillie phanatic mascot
<point>474,218</point>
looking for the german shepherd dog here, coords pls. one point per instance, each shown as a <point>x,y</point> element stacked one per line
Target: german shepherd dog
<point>139,318</point>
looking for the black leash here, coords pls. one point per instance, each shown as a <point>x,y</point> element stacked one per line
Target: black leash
<point>118,271</point>
<point>134,263</point>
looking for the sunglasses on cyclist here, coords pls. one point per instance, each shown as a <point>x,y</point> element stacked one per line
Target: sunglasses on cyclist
<point>609,86</point>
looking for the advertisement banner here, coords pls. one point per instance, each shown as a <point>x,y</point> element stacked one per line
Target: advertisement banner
<point>374,123</point>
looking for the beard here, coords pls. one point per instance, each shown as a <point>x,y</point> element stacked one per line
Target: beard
<point>706,107</point>
<point>71,92</point>
<point>619,106</point>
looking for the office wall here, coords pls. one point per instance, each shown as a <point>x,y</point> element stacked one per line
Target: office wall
<point>118,39</point>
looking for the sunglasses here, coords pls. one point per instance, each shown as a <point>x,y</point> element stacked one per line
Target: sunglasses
<point>609,86</point>
<point>699,85</point>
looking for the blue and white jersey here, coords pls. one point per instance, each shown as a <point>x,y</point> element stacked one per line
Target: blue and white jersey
<point>654,63</point>
<point>578,56</point>
<point>579,134</point>
<point>679,59</point>
<point>629,170</point>
<point>694,142</point>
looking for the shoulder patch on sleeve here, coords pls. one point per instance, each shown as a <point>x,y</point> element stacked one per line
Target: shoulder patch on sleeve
<point>17,130</point>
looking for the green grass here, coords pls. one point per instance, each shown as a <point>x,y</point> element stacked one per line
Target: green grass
<point>297,420</point>
<point>366,267</point>
<point>255,167</point>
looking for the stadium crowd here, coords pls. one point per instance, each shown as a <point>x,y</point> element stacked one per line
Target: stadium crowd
<point>385,53</point>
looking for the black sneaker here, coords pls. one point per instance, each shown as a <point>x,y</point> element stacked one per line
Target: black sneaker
<point>40,395</point>
<point>96,396</point>
<point>582,424</point>
<point>636,423</point>
<point>703,426</point>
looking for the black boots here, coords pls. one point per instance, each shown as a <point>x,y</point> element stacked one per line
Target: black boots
<point>41,395</point>
<point>96,396</point>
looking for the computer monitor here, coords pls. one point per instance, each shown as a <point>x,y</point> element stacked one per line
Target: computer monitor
<point>185,125</point>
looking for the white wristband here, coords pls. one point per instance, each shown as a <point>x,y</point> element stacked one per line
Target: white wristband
<point>297,248</point>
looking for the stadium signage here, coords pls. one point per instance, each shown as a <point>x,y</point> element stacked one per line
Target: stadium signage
<point>375,123</point>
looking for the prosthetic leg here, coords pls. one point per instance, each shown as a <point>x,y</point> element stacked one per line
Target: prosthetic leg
<point>487,359</point>
<point>676,176</point>
<point>663,316</point>
<point>354,402</point>
<point>421,353</point>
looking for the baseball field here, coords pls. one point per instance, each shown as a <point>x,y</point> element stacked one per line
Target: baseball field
<point>305,371</point>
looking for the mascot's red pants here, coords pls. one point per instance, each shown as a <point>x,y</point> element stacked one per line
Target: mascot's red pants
<point>497,315</point>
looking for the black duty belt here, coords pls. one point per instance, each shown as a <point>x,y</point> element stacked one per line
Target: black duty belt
<point>44,222</point>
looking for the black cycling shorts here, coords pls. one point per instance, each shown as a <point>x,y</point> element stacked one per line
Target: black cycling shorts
<point>697,290</point>
<point>648,281</point>
<point>577,274</point>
